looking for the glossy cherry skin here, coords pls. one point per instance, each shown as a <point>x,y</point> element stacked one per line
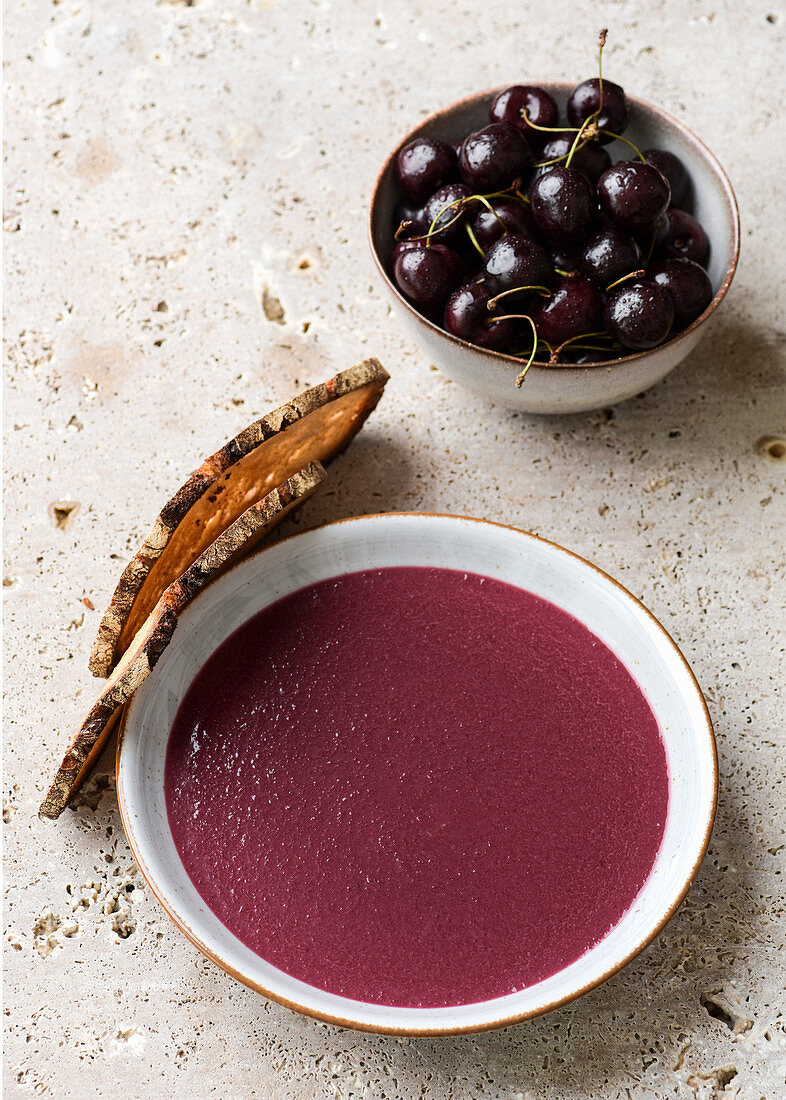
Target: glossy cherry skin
<point>591,159</point>
<point>424,165</point>
<point>468,317</point>
<point>563,204</point>
<point>427,275</point>
<point>685,237</point>
<point>453,217</point>
<point>633,195</point>
<point>639,315</point>
<point>509,106</point>
<point>510,216</point>
<point>688,285</point>
<point>515,261</point>
<point>492,158</point>
<point>586,98</point>
<point>672,169</point>
<point>399,248</point>
<point>608,255</point>
<point>574,308</point>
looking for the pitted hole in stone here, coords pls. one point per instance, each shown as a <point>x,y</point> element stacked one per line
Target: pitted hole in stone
<point>124,924</point>
<point>725,1075</point>
<point>44,939</point>
<point>772,447</point>
<point>718,1011</point>
<point>272,308</point>
<point>63,512</point>
<point>46,924</point>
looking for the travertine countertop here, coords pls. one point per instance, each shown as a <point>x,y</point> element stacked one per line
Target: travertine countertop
<point>185,247</point>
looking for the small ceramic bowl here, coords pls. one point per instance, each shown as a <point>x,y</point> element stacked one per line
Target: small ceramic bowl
<point>455,543</point>
<point>566,388</point>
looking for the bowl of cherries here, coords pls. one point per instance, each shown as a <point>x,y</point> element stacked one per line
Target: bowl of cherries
<point>554,247</point>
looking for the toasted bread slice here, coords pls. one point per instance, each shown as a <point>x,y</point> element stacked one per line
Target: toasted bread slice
<point>155,632</point>
<point>314,427</point>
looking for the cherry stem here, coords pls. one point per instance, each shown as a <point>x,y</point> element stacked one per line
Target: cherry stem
<point>631,275</point>
<point>490,208</point>
<point>571,340</point>
<point>545,129</point>
<point>590,123</point>
<point>509,317</point>
<point>651,248</point>
<point>531,359</point>
<point>601,43</point>
<point>618,137</point>
<point>548,163</point>
<point>402,226</point>
<point>564,274</point>
<point>460,203</point>
<point>456,202</point>
<point>577,143</point>
<point>542,290</point>
<point>474,240</point>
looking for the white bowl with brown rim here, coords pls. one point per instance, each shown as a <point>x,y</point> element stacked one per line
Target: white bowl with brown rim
<point>415,539</point>
<point>563,388</point>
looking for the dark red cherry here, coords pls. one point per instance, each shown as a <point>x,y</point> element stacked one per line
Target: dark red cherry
<point>672,169</point>
<point>591,159</point>
<point>685,237</point>
<point>492,158</point>
<point>515,261</point>
<point>566,258</point>
<point>509,216</point>
<point>509,106</point>
<point>609,255</point>
<point>415,215</point>
<point>453,215</point>
<point>585,99</point>
<point>575,307</point>
<point>401,247</point>
<point>467,316</point>
<point>563,204</point>
<point>633,195</point>
<point>423,165</point>
<point>427,275</point>
<point>688,285</point>
<point>639,315</point>
<point>653,237</point>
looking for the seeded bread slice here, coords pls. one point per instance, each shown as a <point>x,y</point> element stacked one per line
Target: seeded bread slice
<point>314,427</point>
<point>155,632</point>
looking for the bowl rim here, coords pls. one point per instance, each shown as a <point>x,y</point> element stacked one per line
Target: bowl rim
<point>127,811</point>
<point>562,86</point>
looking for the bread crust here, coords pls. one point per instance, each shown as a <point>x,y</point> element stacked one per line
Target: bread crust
<point>156,632</point>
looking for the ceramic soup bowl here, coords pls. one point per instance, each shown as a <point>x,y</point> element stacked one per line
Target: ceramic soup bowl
<point>414,539</point>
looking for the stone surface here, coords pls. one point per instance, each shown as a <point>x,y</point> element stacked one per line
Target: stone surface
<point>185,248</point>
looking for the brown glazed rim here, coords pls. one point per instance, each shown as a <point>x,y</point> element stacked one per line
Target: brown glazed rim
<point>415,1031</point>
<point>562,86</point>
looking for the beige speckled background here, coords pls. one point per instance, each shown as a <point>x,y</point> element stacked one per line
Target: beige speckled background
<point>172,168</point>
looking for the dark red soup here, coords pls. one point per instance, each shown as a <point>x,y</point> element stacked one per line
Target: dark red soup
<point>416,786</point>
